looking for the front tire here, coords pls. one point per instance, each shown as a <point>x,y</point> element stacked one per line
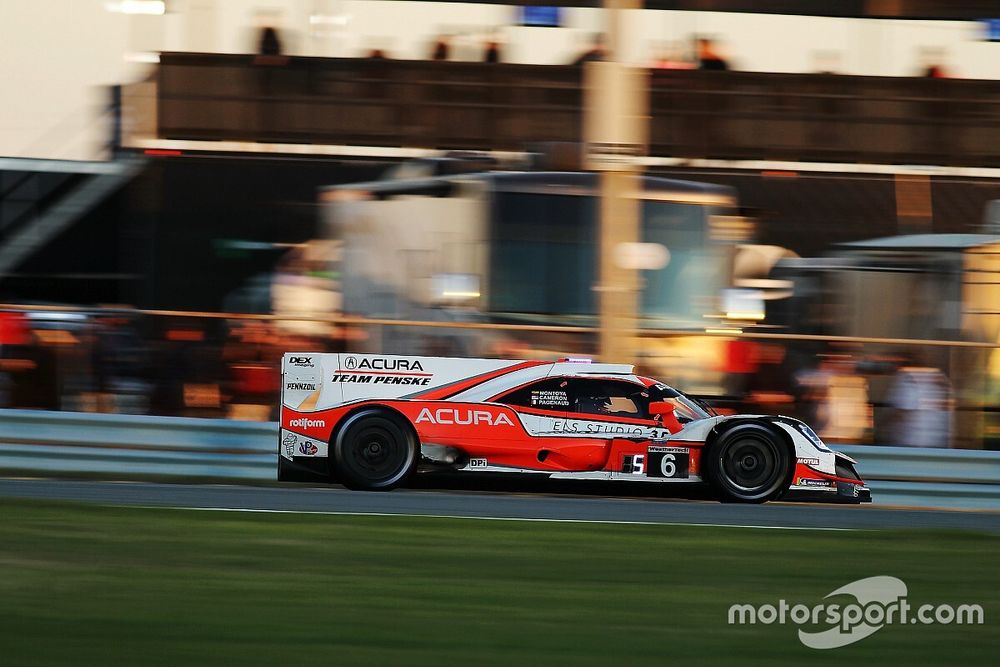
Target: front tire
<point>375,450</point>
<point>749,463</point>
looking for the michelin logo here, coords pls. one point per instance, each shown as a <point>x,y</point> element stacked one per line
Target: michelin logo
<point>289,444</point>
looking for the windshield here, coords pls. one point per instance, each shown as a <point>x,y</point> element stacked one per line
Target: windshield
<point>687,408</point>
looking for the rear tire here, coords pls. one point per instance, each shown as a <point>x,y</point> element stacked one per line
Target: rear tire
<point>375,450</point>
<point>749,463</point>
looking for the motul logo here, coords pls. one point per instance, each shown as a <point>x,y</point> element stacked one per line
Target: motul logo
<point>456,416</point>
<point>307,423</point>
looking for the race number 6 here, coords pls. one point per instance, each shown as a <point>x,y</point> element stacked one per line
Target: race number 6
<point>667,462</point>
<point>667,465</point>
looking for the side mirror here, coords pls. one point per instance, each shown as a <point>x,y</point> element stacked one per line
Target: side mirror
<point>663,412</point>
<point>660,408</point>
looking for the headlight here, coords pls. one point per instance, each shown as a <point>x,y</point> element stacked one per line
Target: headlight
<point>813,438</point>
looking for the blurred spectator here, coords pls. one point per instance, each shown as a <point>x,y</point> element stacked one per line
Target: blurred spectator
<point>120,361</point>
<point>835,399</point>
<point>670,56</point>
<point>15,336</point>
<point>739,364</point>
<point>708,56</point>
<point>441,49</point>
<point>491,54</point>
<point>597,51</point>
<point>770,387</point>
<point>935,71</point>
<point>269,43</point>
<point>922,404</point>
<point>252,354</point>
<point>932,67</point>
<point>850,415</point>
<point>377,54</point>
<point>190,366</point>
<point>826,62</point>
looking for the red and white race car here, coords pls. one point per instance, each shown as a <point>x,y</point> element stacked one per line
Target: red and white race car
<point>369,422</point>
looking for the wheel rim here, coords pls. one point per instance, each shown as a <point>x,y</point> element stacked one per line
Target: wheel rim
<point>751,465</point>
<point>377,454</point>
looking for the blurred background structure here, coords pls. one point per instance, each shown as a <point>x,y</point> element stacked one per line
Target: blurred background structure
<point>780,206</point>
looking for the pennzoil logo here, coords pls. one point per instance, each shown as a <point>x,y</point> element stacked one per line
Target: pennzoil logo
<point>463,417</point>
<point>300,386</point>
<point>380,364</point>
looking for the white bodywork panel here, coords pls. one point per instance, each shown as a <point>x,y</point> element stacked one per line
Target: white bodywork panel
<point>312,382</point>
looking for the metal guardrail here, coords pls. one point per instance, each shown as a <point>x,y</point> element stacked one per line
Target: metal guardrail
<point>953,478</point>
<point>77,442</point>
<point>183,447</point>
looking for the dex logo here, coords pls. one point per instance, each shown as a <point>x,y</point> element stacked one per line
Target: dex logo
<point>307,362</point>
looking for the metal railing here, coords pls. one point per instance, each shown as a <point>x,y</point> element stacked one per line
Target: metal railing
<point>126,446</point>
<point>73,442</point>
<point>461,105</point>
<point>213,364</point>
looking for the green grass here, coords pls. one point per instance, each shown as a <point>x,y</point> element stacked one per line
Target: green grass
<point>88,585</point>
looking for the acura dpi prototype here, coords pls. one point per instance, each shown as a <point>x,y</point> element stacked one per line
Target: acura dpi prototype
<point>371,421</point>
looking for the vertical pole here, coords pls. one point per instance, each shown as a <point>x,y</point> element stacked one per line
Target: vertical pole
<point>115,110</point>
<point>618,294</point>
<point>615,130</point>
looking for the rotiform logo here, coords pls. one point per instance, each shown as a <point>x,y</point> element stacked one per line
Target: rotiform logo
<point>307,423</point>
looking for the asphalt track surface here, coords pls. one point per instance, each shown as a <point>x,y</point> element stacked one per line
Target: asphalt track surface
<point>511,504</point>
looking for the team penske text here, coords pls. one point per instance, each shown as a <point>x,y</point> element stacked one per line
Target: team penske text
<point>380,379</point>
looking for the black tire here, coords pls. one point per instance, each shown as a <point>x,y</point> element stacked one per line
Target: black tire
<point>749,463</point>
<point>375,450</point>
